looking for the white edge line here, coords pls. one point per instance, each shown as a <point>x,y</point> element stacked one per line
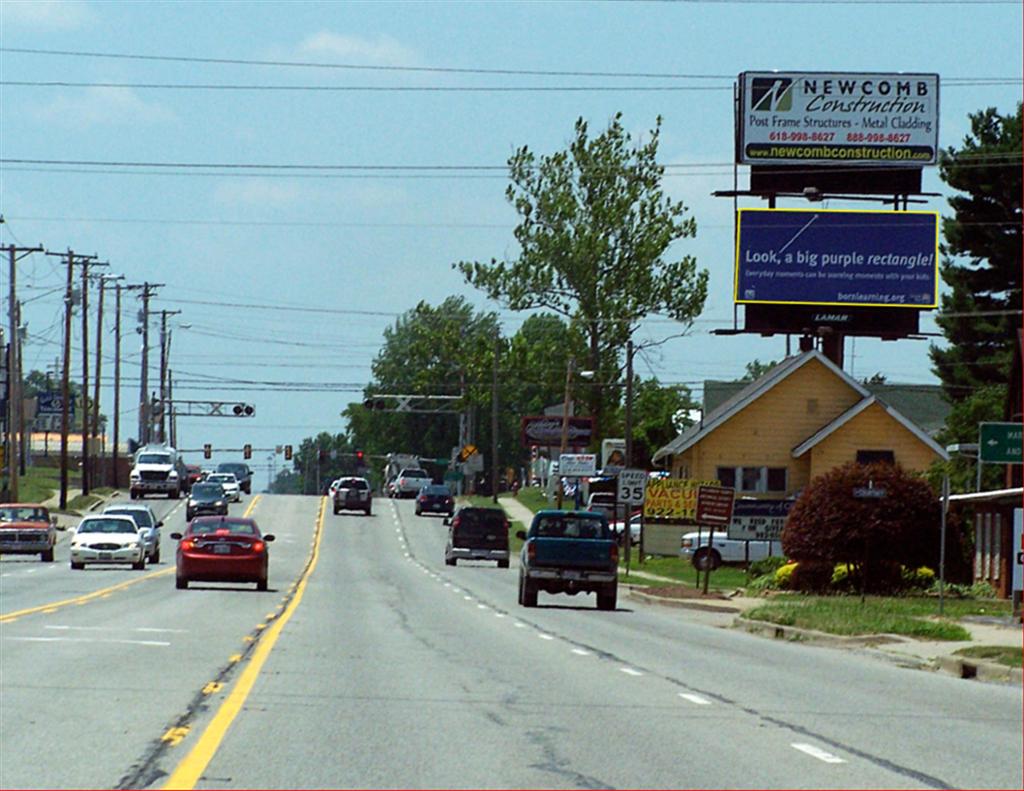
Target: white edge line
<point>816,752</point>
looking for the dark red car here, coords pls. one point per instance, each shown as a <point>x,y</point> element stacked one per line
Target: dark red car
<point>195,475</point>
<point>222,549</point>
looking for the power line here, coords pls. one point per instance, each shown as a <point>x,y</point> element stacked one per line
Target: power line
<point>267,88</point>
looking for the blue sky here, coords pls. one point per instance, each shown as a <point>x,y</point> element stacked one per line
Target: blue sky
<point>376,242</point>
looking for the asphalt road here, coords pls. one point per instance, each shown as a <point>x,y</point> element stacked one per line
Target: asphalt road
<point>371,664</point>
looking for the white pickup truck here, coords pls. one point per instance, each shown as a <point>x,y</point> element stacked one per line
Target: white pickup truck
<point>724,549</point>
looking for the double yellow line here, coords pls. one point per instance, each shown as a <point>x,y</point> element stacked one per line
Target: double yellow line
<point>102,592</point>
<point>191,769</point>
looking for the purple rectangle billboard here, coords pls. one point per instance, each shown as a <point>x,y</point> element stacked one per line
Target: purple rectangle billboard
<point>837,257</point>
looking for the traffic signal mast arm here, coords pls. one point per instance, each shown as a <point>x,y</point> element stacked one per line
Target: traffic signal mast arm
<point>412,404</point>
<point>210,409</point>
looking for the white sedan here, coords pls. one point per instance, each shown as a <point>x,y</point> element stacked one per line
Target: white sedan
<point>232,489</point>
<point>107,538</point>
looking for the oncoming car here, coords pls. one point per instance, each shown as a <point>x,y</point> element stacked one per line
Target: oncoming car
<point>230,483</point>
<point>107,538</point>
<point>222,549</point>
<point>146,521</point>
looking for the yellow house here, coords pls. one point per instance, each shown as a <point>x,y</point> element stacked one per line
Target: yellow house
<point>802,418</point>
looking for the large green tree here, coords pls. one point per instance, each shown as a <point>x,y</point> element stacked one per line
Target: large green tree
<point>982,256</point>
<point>594,233</point>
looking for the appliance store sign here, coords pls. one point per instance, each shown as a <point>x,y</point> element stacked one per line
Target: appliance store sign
<point>830,118</point>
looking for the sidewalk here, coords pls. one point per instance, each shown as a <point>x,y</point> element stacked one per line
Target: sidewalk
<point>930,654</point>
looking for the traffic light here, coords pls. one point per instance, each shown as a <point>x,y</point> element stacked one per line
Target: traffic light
<point>247,451</point>
<point>287,452</point>
<point>360,459</point>
<point>207,451</point>
<point>374,403</point>
<point>243,410</point>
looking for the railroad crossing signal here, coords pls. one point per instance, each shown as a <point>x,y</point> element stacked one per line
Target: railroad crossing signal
<point>247,451</point>
<point>207,451</point>
<point>243,410</point>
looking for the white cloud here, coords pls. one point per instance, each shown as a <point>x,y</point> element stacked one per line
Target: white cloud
<point>59,14</point>
<point>381,50</point>
<point>96,106</point>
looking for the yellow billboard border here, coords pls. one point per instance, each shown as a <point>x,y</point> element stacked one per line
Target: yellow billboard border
<point>736,263</point>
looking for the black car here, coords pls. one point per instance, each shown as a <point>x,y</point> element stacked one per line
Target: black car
<point>477,534</point>
<point>206,498</point>
<point>435,499</point>
<point>353,494</point>
<point>242,473</point>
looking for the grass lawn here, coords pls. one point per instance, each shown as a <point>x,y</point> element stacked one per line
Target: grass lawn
<point>679,571</point>
<point>846,615</point>
<point>38,484</point>
<point>533,497</point>
<point>1004,655</point>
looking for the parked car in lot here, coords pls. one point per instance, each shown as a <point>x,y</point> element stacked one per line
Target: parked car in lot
<point>222,549</point>
<point>146,521</point>
<point>206,498</point>
<point>241,472</point>
<point>107,538</point>
<point>568,552</point>
<point>603,503</point>
<point>724,550</point>
<point>411,480</point>
<point>27,529</point>
<point>232,489</point>
<point>477,534</point>
<point>617,528</point>
<point>435,499</point>
<point>353,494</point>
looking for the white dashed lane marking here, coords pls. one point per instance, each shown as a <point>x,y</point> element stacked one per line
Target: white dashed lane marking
<point>581,652</point>
<point>817,752</point>
<point>695,699</point>
<point>630,671</point>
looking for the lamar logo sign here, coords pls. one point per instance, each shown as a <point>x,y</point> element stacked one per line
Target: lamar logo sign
<point>547,430</point>
<point>772,95</point>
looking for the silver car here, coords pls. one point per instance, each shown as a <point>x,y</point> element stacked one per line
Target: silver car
<point>149,526</point>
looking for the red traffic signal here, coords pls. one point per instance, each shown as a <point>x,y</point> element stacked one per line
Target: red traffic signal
<point>359,456</point>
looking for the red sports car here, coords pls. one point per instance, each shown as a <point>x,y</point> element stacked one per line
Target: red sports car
<point>222,549</point>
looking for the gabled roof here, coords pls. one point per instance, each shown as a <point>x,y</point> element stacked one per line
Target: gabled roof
<point>748,395</point>
<point>852,412</point>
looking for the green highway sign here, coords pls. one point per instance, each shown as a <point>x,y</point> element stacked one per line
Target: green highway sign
<point>453,476</point>
<point>1000,443</point>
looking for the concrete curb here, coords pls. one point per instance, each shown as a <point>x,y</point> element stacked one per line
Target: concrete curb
<point>689,604</point>
<point>966,667</point>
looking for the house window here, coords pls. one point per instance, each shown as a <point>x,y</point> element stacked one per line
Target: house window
<point>753,479</point>
<point>750,479</point>
<point>876,457</point>
<point>776,479</point>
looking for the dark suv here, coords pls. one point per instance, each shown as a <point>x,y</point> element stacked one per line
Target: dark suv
<point>242,473</point>
<point>353,494</point>
<point>477,534</point>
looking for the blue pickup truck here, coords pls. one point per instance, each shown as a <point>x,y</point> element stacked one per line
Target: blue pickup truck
<point>569,552</point>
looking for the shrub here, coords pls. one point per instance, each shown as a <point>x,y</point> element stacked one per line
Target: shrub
<point>765,582</point>
<point>812,576</point>
<point>767,565</point>
<point>828,525</point>
<point>922,577</point>
<point>784,575</point>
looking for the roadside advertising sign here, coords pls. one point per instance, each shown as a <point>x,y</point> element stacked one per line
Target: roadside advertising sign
<point>759,520</point>
<point>632,485</point>
<point>51,403</point>
<point>673,498</point>
<point>714,505</point>
<point>837,257</point>
<point>1000,443</point>
<point>577,465</point>
<point>547,430</point>
<point>613,456</point>
<point>829,118</point>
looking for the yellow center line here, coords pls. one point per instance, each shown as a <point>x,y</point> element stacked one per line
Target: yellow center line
<point>191,769</point>
<point>99,594</point>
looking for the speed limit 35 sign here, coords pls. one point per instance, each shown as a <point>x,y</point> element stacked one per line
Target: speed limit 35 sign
<point>632,486</point>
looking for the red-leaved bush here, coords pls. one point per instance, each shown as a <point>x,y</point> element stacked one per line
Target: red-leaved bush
<point>829,525</point>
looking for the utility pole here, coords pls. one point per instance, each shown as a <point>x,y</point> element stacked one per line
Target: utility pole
<point>164,353</point>
<point>170,400</point>
<point>144,419</point>
<point>627,529</point>
<point>13,369</point>
<point>103,279</point>
<point>85,373</point>
<point>65,385</point>
<point>23,446</point>
<point>494,423</point>
<point>565,425</point>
